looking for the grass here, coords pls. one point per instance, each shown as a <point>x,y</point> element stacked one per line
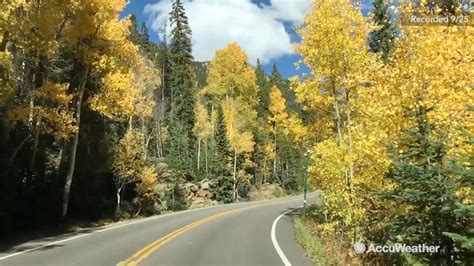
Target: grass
<point>322,250</point>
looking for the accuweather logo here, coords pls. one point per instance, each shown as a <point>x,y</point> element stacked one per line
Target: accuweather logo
<point>360,248</point>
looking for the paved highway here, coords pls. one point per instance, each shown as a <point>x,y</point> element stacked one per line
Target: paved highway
<point>250,233</point>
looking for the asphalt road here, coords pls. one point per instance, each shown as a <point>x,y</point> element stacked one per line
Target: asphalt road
<point>235,234</point>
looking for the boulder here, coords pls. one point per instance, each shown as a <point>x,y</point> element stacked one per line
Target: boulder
<point>190,187</point>
<point>197,201</point>
<point>204,194</point>
<point>205,185</point>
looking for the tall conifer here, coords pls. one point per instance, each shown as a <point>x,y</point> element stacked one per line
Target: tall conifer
<point>183,84</point>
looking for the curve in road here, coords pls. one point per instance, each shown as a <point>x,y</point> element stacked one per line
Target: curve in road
<point>234,234</point>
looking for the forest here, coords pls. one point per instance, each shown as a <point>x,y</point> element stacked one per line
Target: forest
<point>97,121</point>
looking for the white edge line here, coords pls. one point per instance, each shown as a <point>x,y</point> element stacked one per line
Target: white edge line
<point>285,260</point>
<point>103,230</point>
<point>134,222</point>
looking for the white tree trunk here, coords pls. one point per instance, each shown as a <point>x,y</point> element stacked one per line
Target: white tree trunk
<point>199,154</point>
<point>351,165</point>
<point>207,164</point>
<point>117,208</point>
<point>67,185</point>
<point>235,177</point>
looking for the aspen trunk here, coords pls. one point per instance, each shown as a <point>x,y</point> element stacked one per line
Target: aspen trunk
<point>199,154</point>
<point>117,208</point>
<point>63,158</point>
<point>338,121</point>
<point>206,150</point>
<point>60,155</point>
<point>235,177</point>
<point>19,147</point>
<point>72,163</point>
<point>159,149</point>
<point>264,175</point>
<point>38,80</point>
<point>349,135</point>
<point>35,146</point>
<point>30,113</point>
<point>350,176</point>
<point>337,113</point>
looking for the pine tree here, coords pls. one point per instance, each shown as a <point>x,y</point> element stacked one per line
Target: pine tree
<point>463,235</point>
<point>144,42</point>
<point>382,40</point>
<point>134,34</point>
<point>262,132</point>
<point>144,32</point>
<point>425,185</point>
<point>276,78</point>
<point>264,90</point>
<point>221,146</point>
<point>182,140</point>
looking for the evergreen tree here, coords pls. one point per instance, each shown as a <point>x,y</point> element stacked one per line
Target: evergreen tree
<point>134,34</point>
<point>261,132</point>
<point>264,90</point>
<point>182,78</point>
<point>146,46</point>
<point>463,236</point>
<point>276,78</point>
<point>221,146</point>
<point>164,64</point>
<point>425,185</point>
<point>144,32</point>
<point>224,190</point>
<point>382,40</point>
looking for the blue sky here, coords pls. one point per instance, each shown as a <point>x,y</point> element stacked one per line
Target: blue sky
<point>263,28</point>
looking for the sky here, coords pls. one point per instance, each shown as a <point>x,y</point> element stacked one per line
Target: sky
<point>263,28</point>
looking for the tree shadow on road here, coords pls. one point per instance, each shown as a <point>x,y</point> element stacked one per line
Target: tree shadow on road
<point>40,242</point>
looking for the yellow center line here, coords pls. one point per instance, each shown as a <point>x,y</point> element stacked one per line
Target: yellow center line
<point>146,251</point>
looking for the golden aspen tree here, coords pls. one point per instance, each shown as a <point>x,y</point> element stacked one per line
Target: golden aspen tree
<point>335,50</point>
<point>278,116</point>
<point>418,70</point>
<point>57,118</point>
<point>203,130</point>
<point>12,22</point>
<point>148,182</point>
<point>374,98</point>
<point>35,41</point>
<point>231,84</point>
<point>128,162</point>
<point>240,140</point>
<point>148,79</point>
<point>127,94</point>
<point>99,41</point>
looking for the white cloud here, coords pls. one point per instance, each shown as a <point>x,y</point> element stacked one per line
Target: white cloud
<point>216,23</point>
<point>289,10</point>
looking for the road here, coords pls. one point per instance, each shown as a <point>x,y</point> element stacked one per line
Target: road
<point>247,233</point>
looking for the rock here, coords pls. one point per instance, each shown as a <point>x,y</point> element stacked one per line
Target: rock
<point>197,201</point>
<point>190,187</point>
<point>161,167</point>
<point>204,194</point>
<point>205,185</point>
<point>158,208</point>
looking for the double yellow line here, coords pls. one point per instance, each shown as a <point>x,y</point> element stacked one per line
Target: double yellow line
<point>143,253</point>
